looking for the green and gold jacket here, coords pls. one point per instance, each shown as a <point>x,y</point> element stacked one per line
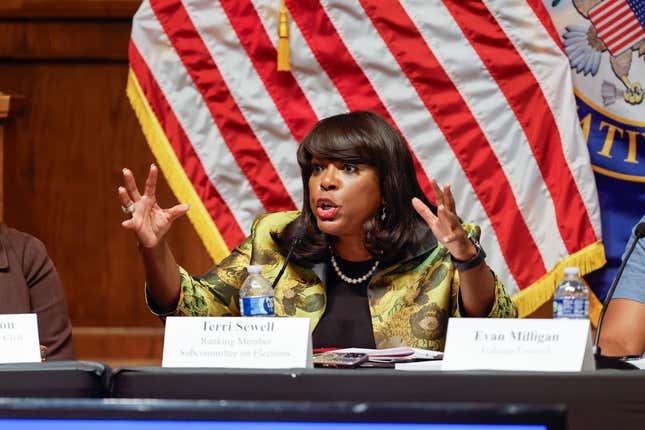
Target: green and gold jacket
<point>409,301</point>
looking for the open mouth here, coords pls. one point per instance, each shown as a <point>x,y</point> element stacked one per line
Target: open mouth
<point>325,209</point>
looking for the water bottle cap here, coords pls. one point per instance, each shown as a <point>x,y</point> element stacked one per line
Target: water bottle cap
<point>254,269</point>
<point>571,271</point>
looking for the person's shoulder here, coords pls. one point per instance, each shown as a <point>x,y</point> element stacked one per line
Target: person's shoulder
<point>642,220</point>
<point>274,221</point>
<point>21,242</point>
<point>267,225</point>
<point>28,251</point>
<point>633,235</point>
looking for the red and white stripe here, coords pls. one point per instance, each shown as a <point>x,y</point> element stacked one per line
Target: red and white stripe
<point>616,24</point>
<point>480,90</point>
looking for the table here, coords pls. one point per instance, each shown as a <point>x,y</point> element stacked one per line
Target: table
<point>62,379</point>
<point>604,399</point>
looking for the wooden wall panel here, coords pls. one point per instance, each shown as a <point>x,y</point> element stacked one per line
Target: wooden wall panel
<point>47,41</point>
<point>63,168</point>
<point>11,107</point>
<point>103,9</point>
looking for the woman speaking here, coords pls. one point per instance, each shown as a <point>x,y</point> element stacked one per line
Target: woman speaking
<point>377,264</point>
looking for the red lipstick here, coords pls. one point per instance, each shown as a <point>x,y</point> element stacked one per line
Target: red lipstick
<point>326,209</point>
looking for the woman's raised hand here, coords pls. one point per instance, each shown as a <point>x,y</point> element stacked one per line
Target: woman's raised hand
<point>149,221</point>
<point>446,225</point>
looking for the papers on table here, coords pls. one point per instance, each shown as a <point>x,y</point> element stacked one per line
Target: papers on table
<point>397,355</point>
<point>640,363</point>
<point>420,366</point>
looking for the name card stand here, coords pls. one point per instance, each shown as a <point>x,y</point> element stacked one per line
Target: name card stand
<point>239,342</point>
<point>19,341</point>
<point>562,345</point>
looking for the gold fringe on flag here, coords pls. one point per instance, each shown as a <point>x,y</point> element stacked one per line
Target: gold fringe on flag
<point>283,41</point>
<point>587,260</point>
<point>174,172</point>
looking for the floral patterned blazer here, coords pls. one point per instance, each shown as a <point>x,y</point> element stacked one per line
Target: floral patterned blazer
<point>410,301</point>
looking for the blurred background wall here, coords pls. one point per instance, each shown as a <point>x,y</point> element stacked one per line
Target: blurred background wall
<point>62,164</point>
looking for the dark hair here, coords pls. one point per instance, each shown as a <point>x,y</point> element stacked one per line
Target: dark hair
<point>360,137</point>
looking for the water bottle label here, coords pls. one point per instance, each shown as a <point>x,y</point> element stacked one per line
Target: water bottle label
<point>257,306</point>
<point>570,307</point>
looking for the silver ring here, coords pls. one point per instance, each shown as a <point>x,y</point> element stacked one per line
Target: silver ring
<point>128,210</point>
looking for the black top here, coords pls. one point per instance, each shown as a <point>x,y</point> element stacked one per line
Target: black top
<point>347,321</point>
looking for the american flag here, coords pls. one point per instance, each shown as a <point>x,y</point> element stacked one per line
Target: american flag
<point>619,23</point>
<point>481,91</point>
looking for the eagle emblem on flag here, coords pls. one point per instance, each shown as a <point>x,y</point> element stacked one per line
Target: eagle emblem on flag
<point>605,43</point>
<point>616,27</point>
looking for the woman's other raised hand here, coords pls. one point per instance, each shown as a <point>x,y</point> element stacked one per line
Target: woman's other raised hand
<point>446,226</point>
<point>148,221</point>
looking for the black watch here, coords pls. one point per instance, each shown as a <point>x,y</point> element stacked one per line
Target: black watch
<point>462,266</point>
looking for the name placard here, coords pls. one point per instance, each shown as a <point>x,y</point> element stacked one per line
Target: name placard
<point>237,342</point>
<point>518,344</point>
<point>19,341</point>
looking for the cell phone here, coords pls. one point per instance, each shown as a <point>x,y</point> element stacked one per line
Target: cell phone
<point>344,360</point>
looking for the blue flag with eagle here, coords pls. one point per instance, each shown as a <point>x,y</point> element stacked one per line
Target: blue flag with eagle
<point>605,43</point>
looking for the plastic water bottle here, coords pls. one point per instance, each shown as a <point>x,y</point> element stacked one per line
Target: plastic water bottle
<point>571,297</point>
<point>256,294</point>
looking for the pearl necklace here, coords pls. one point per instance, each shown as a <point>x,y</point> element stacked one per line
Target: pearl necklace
<point>346,278</point>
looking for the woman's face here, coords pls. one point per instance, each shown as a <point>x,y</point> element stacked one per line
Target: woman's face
<point>343,196</point>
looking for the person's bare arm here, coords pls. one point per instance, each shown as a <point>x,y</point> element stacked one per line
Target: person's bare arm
<point>477,288</point>
<point>477,285</point>
<point>150,223</point>
<point>623,329</point>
